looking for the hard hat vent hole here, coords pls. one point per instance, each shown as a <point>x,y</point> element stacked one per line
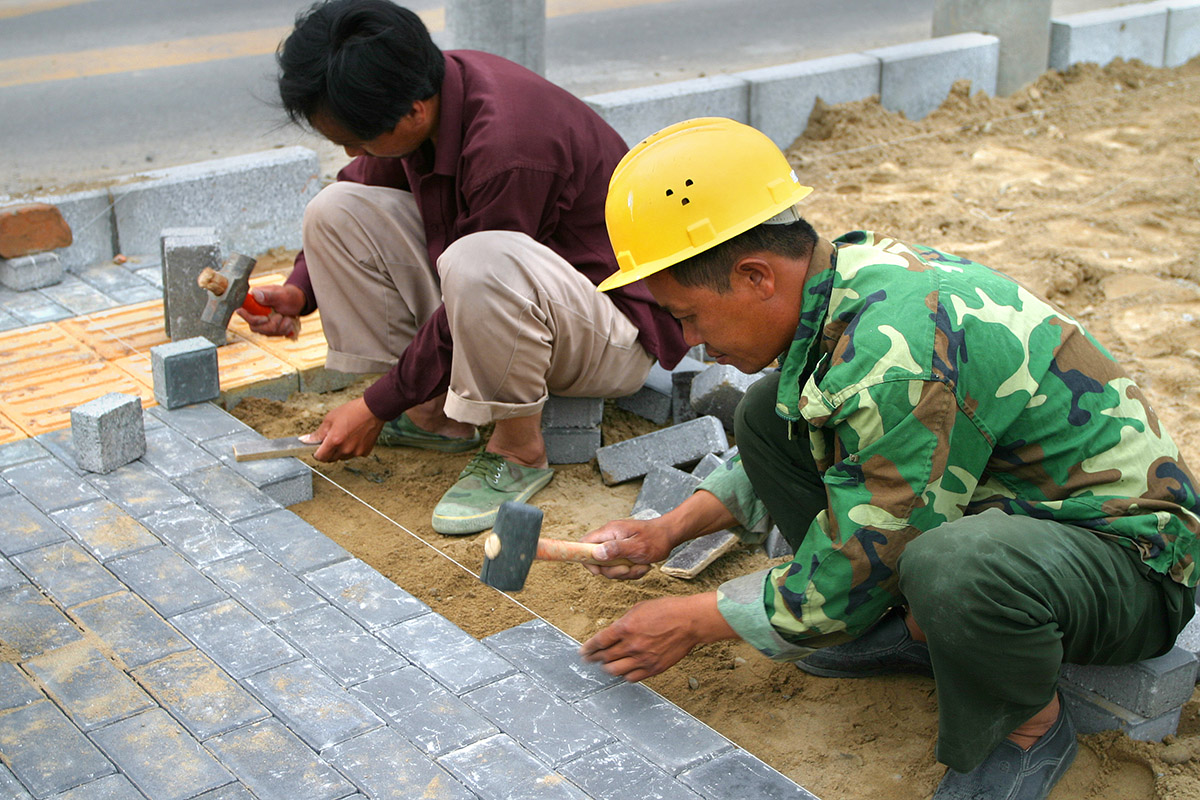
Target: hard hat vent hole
<point>688,182</point>
<point>685,201</point>
<point>670,192</point>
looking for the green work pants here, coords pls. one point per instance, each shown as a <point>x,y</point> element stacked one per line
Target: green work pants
<point>1004,600</point>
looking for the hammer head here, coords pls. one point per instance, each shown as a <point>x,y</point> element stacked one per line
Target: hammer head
<point>236,270</point>
<point>511,546</point>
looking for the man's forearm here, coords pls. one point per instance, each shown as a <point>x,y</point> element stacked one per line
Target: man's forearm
<point>700,514</point>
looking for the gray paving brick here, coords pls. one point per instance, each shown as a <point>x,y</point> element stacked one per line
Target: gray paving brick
<point>571,445</point>
<point>291,541</point>
<point>275,765</point>
<point>386,766</point>
<point>105,530</point>
<point>111,787</point>
<point>7,323</point>
<point>657,729</point>
<point>173,454</point>
<point>675,446</point>
<point>199,422</point>
<point>196,534</point>
<point>719,389</point>
<point>139,489</point>
<point>77,296</point>
<point>446,652</point>
<point>24,273</point>
<point>499,769</point>
<point>366,595</point>
<point>76,760</point>
<point>648,403</point>
<point>117,282</point>
<point>230,791</point>
<point>739,774</point>
<point>551,658</point>
<point>1093,713</point>
<point>20,451</point>
<point>6,489</point>
<point>32,624</point>
<point>286,480</point>
<point>130,627</point>
<point>235,638</point>
<point>24,526</point>
<point>550,728</point>
<point>10,576</point>
<point>420,708</point>
<point>617,772</point>
<point>108,432</point>
<point>49,484</point>
<point>67,573</point>
<point>88,686</point>
<point>572,412</point>
<point>1149,688</point>
<point>262,586</point>
<point>664,488</point>
<point>15,688</point>
<point>185,370</point>
<point>160,757</point>
<point>339,645</point>
<point>199,694</point>
<point>58,443</point>
<point>10,787</point>
<point>312,705</point>
<point>33,308</point>
<point>226,494</point>
<point>166,581</point>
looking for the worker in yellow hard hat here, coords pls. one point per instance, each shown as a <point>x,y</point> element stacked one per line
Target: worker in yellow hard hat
<point>973,488</point>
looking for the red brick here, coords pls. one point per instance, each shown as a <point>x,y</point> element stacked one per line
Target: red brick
<point>32,228</point>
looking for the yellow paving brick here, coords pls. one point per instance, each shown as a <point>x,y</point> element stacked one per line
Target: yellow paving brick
<point>9,432</point>
<point>42,402</point>
<point>305,352</point>
<point>120,331</point>
<point>39,349</point>
<point>242,369</point>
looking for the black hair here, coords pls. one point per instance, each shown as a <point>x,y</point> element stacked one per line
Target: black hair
<point>361,62</point>
<point>712,268</point>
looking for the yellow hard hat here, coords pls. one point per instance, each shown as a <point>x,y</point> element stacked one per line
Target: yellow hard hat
<point>690,187</point>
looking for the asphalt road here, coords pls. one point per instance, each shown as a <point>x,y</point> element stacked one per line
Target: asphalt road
<point>94,89</point>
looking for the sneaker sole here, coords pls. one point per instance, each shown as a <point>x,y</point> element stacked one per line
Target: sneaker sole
<point>869,673</point>
<point>475,523</point>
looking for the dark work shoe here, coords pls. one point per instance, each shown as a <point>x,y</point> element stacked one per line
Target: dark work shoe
<point>1011,773</point>
<point>888,647</point>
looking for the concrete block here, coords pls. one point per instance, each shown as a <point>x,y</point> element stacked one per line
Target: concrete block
<point>551,658</point>
<point>184,253</point>
<point>20,451</point>
<point>89,214</point>
<point>185,372</point>
<point>571,445</point>
<point>199,694</point>
<point>262,586</point>
<point>25,528</point>
<point>431,718</point>
<point>287,481</point>
<point>499,767</point>
<point>1149,688</point>
<point>915,78</point>
<point>385,765</point>
<point>515,29</point>
<point>174,455</point>
<point>275,765</point>
<point>617,771</point>
<point>15,689</point>
<point>718,389</point>
<point>572,412</point>
<point>312,706</point>
<point>1133,31</point>
<point>199,422</point>
<point>110,787</point>
<point>196,534</point>
<point>1022,26</point>
<point>449,655</point>
<point>78,296</point>
<point>676,446</point>
<point>654,727</point>
<point>365,595</point>
<point>294,543</point>
<point>104,529</point>
<point>67,573</point>
<point>1183,31</point>
<point>707,466</point>
<point>227,494</point>
<point>739,773</point>
<point>88,686</point>
<point>139,490</point>
<point>1189,637</point>
<point>30,272</point>
<point>136,634</point>
<point>32,625</point>
<point>166,581</point>
<point>28,228</point>
<point>58,758</point>
<point>775,546</point>
<point>10,577</point>
<point>255,201</point>
<point>782,97</point>
<point>648,403</point>
<point>50,484</point>
<point>1092,713</point>
<point>232,636</point>
<point>664,488</point>
<point>637,113</point>
<point>339,645</point>
<point>108,432</point>
<point>120,283</point>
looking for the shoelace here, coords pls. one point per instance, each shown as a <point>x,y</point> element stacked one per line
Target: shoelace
<point>485,465</point>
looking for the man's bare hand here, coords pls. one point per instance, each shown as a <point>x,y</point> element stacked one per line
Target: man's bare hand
<point>655,634</point>
<point>347,431</point>
<point>286,302</point>
<point>641,541</point>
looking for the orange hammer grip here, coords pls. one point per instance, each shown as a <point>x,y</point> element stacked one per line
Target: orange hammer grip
<point>255,307</point>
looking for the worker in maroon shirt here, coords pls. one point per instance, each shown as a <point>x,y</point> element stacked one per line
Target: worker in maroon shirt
<point>458,253</point>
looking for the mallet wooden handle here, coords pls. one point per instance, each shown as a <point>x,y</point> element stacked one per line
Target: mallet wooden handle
<point>558,550</point>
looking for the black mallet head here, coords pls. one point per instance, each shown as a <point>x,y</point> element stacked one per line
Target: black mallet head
<point>510,548</point>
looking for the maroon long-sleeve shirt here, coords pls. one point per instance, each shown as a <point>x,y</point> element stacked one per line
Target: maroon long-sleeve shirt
<point>516,153</point>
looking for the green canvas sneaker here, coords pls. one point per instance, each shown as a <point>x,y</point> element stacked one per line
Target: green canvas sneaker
<point>470,505</point>
<point>403,432</point>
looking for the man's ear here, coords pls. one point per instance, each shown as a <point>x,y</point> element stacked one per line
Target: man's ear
<point>755,273</point>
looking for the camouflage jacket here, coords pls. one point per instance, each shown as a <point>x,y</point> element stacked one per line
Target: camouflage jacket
<point>931,387</point>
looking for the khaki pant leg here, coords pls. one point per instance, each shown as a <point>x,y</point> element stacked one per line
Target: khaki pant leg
<point>525,324</point>
<point>365,248</point>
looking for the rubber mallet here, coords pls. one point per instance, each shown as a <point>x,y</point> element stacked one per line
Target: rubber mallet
<point>513,544</point>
